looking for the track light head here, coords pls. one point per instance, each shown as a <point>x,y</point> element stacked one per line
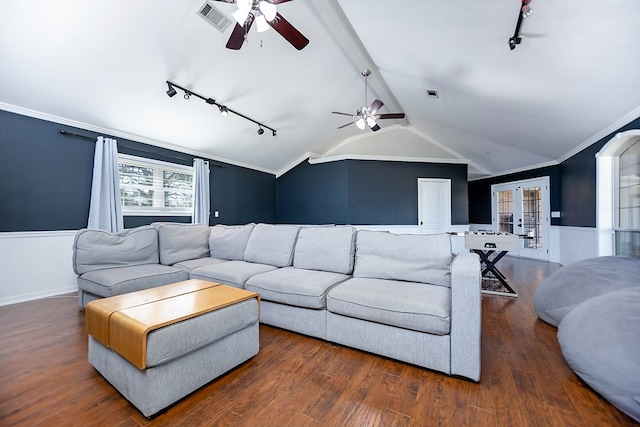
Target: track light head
<point>223,110</point>
<point>260,131</point>
<point>513,41</point>
<point>187,94</point>
<point>275,135</point>
<point>171,91</point>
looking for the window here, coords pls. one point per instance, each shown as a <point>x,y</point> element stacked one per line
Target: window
<point>151,187</point>
<point>627,231</point>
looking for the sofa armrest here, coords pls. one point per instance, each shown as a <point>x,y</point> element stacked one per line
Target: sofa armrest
<point>466,315</point>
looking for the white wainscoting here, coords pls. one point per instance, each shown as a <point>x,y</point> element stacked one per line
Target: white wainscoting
<point>571,244</point>
<point>566,244</point>
<point>35,265</point>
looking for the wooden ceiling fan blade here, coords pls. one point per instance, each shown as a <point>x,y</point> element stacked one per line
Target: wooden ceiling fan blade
<point>289,32</point>
<point>276,1</point>
<point>391,116</point>
<point>237,36</point>
<point>375,106</point>
<point>344,126</point>
<point>344,114</point>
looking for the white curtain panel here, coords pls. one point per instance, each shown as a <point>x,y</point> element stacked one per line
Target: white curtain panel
<point>105,212</point>
<point>201,192</point>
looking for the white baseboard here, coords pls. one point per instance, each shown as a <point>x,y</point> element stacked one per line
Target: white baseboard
<point>36,265</point>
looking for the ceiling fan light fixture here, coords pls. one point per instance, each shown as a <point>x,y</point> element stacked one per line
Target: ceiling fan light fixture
<point>244,8</point>
<point>360,123</point>
<point>261,23</point>
<point>268,10</point>
<point>371,121</point>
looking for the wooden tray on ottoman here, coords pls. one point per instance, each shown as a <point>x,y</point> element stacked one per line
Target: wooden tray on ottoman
<point>119,329</point>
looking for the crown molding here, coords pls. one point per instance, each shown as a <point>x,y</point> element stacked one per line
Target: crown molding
<point>126,135</point>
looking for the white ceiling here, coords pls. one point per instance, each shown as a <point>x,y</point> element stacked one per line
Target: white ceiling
<point>102,65</point>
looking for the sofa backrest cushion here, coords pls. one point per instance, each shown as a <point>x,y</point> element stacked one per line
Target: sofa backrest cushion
<point>229,241</point>
<point>424,258</point>
<point>99,249</point>
<point>181,242</point>
<point>325,249</point>
<point>272,244</point>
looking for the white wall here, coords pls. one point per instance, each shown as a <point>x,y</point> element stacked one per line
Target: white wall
<point>571,244</point>
<point>36,265</point>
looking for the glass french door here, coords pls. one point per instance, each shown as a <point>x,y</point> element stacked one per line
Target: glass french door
<point>522,208</point>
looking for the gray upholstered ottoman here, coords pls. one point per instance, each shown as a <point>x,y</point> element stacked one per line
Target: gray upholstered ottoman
<point>158,367</point>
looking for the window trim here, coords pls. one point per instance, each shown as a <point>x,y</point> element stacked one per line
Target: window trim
<point>155,211</point>
<point>606,188</point>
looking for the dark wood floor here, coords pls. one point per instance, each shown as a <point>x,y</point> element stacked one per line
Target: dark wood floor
<point>301,381</point>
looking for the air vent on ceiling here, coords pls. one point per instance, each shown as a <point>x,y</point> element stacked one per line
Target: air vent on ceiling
<point>431,93</point>
<point>213,16</point>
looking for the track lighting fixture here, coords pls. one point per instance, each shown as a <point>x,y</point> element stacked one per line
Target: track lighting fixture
<point>274,134</point>
<point>171,92</point>
<point>524,12</point>
<point>224,110</point>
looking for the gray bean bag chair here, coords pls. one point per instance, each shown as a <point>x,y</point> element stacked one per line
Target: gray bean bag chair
<point>600,340</point>
<point>575,283</point>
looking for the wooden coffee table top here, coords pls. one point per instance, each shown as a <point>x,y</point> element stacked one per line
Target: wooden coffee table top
<point>123,322</point>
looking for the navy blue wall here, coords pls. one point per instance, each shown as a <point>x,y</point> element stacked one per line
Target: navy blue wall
<point>579,183</point>
<point>480,192</point>
<point>45,179</point>
<point>573,187</point>
<point>314,194</point>
<point>364,192</point>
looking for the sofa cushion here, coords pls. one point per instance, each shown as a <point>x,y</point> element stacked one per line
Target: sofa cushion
<point>295,286</point>
<point>121,280</point>
<point>271,244</point>
<point>416,306</point>
<point>411,257</point>
<point>229,241</point>
<point>232,273</point>
<point>181,242</point>
<point>325,249</point>
<point>99,249</point>
<point>600,339</point>
<point>575,283</point>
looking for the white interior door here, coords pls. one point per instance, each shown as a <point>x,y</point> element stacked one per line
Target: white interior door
<point>434,205</point>
<point>522,207</point>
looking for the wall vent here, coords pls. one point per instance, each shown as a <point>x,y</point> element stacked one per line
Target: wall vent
<point>214,17</point>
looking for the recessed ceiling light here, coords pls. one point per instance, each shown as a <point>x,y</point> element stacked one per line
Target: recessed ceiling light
<point>432,93</point>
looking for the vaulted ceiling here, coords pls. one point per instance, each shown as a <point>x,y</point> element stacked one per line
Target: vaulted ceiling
<point>102,66</point>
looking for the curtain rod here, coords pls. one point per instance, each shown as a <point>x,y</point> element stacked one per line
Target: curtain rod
<point>91,138</point>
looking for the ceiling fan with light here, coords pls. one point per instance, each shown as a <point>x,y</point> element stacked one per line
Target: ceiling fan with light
<point>265,14</point>
<point>368,115</point>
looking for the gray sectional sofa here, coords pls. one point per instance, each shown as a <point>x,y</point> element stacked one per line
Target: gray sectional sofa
<point>406,297</point>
